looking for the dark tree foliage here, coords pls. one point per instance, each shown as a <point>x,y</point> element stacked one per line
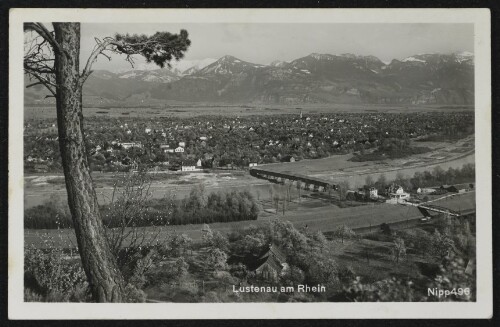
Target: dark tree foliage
<point>159,48</point>
<point>127,212</point>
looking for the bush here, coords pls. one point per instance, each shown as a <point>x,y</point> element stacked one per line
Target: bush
<point>54,277</point>
<point>387,290</point>
<point>134,295</point>
<point>49,215</point>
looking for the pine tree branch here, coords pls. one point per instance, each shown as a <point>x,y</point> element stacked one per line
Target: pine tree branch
<point>160,48</point>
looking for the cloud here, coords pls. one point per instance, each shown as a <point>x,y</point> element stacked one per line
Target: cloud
<point>264,43</point>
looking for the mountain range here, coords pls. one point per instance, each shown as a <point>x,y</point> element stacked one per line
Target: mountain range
<point>316,78</point>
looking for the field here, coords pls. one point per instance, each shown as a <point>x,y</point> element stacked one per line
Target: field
<point>317,214</point>
<point>338,168</point>
<point>185,110</point>
<point>40,188</point>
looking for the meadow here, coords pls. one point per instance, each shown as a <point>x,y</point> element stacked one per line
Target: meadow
<point>186,110</point>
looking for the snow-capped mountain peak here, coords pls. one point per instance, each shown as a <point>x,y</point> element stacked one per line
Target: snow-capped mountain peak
<point>320,56</point>
<point>412,59</point>
<point>228,65</point>
<point>464,56</point>
<point>158,76</point>
<point>278,63</point>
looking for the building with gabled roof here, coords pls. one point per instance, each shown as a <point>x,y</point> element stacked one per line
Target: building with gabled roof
<point>270,263</point>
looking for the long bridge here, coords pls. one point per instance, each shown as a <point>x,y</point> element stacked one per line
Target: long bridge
<point>301,181</point>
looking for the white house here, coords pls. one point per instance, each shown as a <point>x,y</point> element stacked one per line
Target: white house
<point>131,145</point>
<point>373,192</point>
<point>397,194</point>
<point>179,149</point>
<point>182,144</point>
<point>187,168</point>
<point>425,190</point>
<point>252,164</point>
<point>198,163</point>
<point>203,138</point>
<point>147,130</point>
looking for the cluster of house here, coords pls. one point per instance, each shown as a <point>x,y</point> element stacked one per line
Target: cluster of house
<point>184,165</point>
<point>362,194</point>
<point>396,194</point>
<point>314,132</point>
<point>260,139</point>
<point>457,188</point>
<point>167,149</point>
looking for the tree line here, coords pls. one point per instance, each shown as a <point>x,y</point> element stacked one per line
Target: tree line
<point>196,208</point>
<point>427,178</point>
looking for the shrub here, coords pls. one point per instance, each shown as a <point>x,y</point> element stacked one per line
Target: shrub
<point>54,277</point>
<point>387,290</point>
<point>49,215</point>
<point>134,295</point>
<point>346,274</point>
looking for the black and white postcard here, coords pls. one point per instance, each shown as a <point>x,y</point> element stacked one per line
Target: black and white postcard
<point>244,163</point>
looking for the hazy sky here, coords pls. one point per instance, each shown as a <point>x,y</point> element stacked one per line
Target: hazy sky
<point>264,43</point>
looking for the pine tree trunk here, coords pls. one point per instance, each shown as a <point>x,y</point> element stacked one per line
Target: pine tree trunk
<point>105,279</point>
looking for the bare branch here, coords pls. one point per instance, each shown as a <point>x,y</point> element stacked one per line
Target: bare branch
<point>33,84</point>
<point>98,49</point>
<point>43,32</point>
<point>39,57</point>
<point>49,85</point>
